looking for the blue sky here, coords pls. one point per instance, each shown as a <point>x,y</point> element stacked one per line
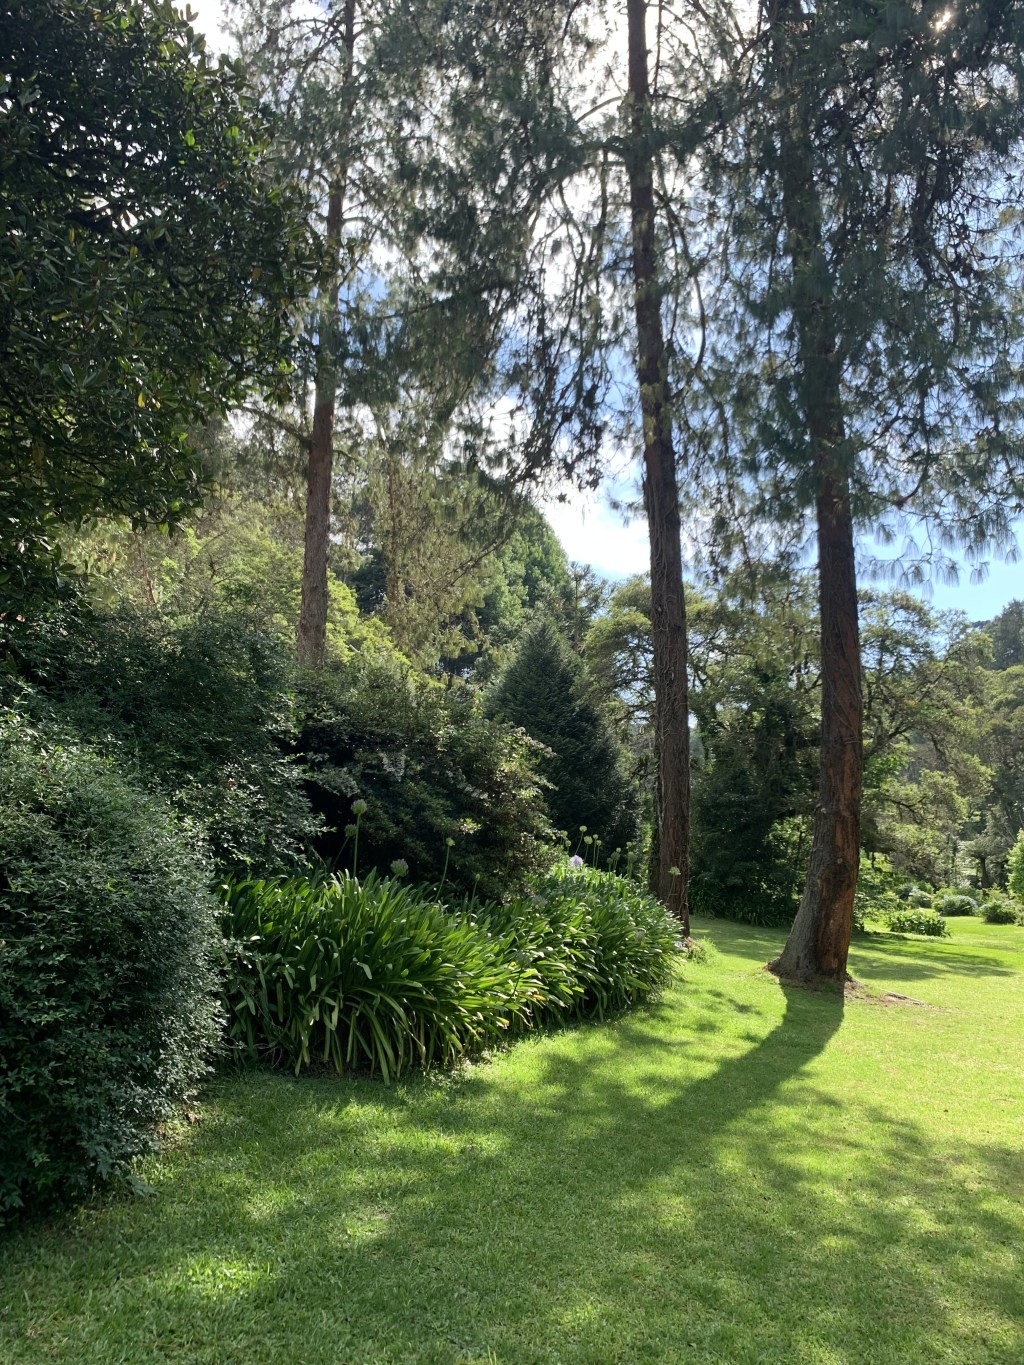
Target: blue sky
<point>592,532</point>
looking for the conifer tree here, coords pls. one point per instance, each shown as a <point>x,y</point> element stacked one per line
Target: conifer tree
<point>872,359</point>
<point>544,691</point>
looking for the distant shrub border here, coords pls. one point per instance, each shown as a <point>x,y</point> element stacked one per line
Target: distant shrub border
<point>373,975</point>
<point>925,922</point>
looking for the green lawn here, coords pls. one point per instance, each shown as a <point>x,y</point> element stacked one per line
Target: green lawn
<point>744,1173</point>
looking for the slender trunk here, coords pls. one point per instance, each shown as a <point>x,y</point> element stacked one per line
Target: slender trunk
<point>661,499</point>
<point>819,941</point>
<point>311,635</point>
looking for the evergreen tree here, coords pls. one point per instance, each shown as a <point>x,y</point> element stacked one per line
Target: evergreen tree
<point>544,691</point>
<point>1006,631</point>
<point>1015,869</point>
<point>871,360</point>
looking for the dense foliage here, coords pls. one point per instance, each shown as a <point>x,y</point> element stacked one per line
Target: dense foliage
<point>951,903</point>
<point>1000,911</point>
<point>596,942</point>
<point>544,690</point>
<point>361,974</point>
<point>367,648</point>
<point>147,263</point>
<point>446,788</point>
<point>917,921</point>
<point>371,974</point>
<point>203,705</point>
<point>107,943</point>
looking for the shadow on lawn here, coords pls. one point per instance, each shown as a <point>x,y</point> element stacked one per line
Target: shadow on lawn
<point>915,959</point>
<point>911,958</point>
<point>625,1208</point>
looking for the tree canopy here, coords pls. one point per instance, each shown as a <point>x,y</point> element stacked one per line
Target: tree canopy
<point>147,264</point>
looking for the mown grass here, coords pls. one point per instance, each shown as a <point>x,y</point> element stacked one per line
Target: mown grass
<point>745,1173</point>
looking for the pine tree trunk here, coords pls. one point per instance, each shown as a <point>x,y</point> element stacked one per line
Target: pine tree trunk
<point>311,635</point>
<point>661,500</point>
<point>819,941</point>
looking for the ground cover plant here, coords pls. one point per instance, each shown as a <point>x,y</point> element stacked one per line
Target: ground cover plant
<point>596,942</point>
<point>746,1173</point>
<point>372,974</point>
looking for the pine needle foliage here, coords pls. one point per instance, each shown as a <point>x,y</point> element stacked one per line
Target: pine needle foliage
<point>544,691</point>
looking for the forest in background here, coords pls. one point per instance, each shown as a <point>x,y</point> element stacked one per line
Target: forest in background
<point>566,656</point>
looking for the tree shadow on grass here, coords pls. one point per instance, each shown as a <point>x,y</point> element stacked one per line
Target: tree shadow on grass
<point>622,1207</point>
<point>917,959</point>
<point>913,958</point>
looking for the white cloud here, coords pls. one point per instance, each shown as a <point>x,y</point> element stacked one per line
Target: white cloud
<point>592,532</point>
<point>210,20</point>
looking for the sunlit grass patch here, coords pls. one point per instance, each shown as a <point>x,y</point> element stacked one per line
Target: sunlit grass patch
<point>741,1173</point>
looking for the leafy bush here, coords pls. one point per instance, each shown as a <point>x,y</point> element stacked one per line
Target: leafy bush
<point>431,768</point>
<point>920,899</point>
<point>375,975</point>
<point>204,705</point>
<point>596,941</point>
<point>362,974</point>
<point>913,921</point>
<point>107,989</point>
<point>951,903</point>
<point>999,911</point>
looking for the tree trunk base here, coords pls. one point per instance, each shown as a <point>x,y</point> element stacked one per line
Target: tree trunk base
<point>815,981</point>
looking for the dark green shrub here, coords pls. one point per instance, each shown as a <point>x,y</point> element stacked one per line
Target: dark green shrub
<point>204,705</point>
<point>544,690</point>
<point>919,898</point>
<point>951,903</point>
<point>998,911</point>
<point>107,992</point>
<point>912,921</point>
<point>364,974</point>
<point>431,768</point>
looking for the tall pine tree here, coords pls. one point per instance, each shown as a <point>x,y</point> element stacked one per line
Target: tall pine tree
<point>871,359</point>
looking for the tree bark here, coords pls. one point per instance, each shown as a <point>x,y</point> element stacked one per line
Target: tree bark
<point>661,498</point>
<point>819,941</point>
<point>311,634</point>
